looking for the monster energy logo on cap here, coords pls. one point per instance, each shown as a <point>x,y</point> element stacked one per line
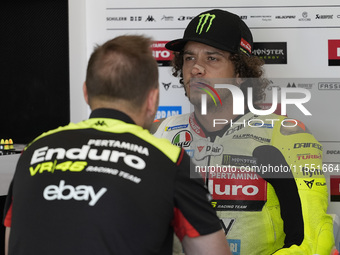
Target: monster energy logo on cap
<point>219,29</point>
<point>204,18</point>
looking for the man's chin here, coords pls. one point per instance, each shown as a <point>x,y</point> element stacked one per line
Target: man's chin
<point>195,100</point>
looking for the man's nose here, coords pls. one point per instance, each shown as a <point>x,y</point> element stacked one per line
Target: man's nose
<point>198,70</point>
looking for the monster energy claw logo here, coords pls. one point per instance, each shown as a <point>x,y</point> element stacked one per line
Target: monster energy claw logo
<point>204,18</point>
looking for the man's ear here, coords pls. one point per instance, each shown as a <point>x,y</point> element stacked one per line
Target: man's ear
<point>149,109</point>
<point>152,101</point>
<point>238,80</point>
<point>86,97</point>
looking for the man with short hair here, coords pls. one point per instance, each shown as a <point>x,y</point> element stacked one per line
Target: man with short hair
<point>106,185</point>
<point>263,211</point>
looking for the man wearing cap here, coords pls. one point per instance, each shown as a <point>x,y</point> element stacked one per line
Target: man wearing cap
<point>267,202</point>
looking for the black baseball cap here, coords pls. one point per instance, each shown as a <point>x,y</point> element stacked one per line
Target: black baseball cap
<point>217,28</point>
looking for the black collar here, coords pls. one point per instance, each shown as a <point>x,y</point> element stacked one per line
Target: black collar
<point>111,114</point>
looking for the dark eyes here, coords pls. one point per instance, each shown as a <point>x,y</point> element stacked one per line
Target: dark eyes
<point>188,58</point>
<point>209,58</point>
